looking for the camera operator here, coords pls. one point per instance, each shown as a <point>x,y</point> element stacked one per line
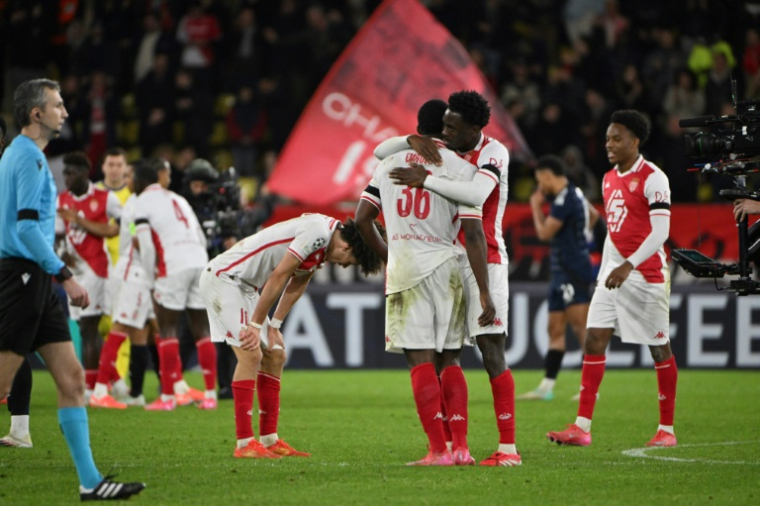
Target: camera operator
<point>216,203</point>
<point>743,207</point>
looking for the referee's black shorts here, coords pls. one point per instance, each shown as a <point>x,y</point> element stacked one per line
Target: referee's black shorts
<point>30,312</point>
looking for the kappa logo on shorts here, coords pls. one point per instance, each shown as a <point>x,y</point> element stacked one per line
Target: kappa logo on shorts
<point>497,322</point>
<point>660,335</point>
<point>25,277</point>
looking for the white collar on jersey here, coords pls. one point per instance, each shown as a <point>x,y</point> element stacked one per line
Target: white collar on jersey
<point>636,167</point>
<point>477,147</point>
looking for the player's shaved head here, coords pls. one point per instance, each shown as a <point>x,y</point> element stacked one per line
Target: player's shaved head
<point>430,117</point>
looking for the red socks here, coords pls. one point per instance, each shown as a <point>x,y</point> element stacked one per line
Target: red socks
<point>168,357</point>
<point>591,377</point>
<point>90,378</point>
<point>503,389</point>
<point>242,393</point>
<point>108,354</point>
<point>454,390</point>
<point>207,361</point>
<point>269,403</point>
<point>427,396</point>
<point>667,377</point>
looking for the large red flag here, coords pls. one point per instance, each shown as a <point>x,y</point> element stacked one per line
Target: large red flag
<point>401,58</point>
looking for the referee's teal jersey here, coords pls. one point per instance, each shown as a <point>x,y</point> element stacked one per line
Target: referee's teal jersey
<point>27,205</point>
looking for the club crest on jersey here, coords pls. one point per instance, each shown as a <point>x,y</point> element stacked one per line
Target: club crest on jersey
<point>93,205</point>
<point>633,184</point>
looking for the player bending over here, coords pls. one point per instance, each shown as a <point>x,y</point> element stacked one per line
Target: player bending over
<point>281,257</point>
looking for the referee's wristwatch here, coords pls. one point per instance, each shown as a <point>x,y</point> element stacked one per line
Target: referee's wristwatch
<point>63,274</point>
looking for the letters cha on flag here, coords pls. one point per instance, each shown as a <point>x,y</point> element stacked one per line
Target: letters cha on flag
<point>401,58</point>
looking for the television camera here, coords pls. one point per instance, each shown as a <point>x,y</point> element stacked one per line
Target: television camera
<point>215,199</point>
<point>734,151</point>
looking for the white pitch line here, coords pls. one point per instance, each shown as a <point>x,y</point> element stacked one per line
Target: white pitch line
<point>642,453</point>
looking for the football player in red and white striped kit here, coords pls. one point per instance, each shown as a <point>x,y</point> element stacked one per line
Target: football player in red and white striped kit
<point>84,214</point>
<point>632,297</point>
<point>239,288</point>
<point>468,113</point>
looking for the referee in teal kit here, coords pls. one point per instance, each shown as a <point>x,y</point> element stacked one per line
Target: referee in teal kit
<point>31,317</point>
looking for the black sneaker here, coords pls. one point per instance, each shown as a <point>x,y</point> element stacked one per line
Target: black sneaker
<point>108,490</point>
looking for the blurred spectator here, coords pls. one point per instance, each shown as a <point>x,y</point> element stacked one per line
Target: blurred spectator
<point>631,93</point>
<point>580,174</point>
<point>553,132</point>
<point>579,16</point>
<point>521,89</point>
<point>197,31</point>
<point>244,47</point>
<point>154,99</point>
<point>100,110</point>
<point>97,53</point>
<point>194,109</point>
<point>661,65</point>
<point>596,118</point>
<point>246,124</point>
<point>718,87</point>
<point>615,24</point>
<point>684,99</point>
<point>149,41</point>
<point>751,62</point>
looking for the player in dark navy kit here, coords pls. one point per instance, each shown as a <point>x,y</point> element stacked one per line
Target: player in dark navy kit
<point>567,227</point>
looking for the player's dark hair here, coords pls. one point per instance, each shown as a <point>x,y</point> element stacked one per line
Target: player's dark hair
<point>115,151</point>
<point>472,106</point>
<point>77,159</point>
<point>369,261</point>
<point>634,121</point>
<point>430,117</point>
<point>28,95</point>
<point>552,163</point>
<point>145,172</point>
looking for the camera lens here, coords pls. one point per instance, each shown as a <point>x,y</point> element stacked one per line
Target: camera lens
<point>702,144</point>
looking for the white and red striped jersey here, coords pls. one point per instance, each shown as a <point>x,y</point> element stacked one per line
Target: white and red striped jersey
<point>95,205</point>
<point>177,236</point>
<point>491,152</point>
<point>421,225</point>
<point>253,259</point>
<point>629,200</point>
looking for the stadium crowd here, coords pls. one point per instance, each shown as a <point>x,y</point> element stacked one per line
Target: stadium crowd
<point>216,79</point>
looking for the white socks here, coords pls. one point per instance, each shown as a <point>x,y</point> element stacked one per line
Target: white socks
<point>666,428</point>
<point>547,385</point>
<point>583,423</point>
<point>510,449</point>
<point>19,426</point>
<point>269,439</point>
<point>242,443</point>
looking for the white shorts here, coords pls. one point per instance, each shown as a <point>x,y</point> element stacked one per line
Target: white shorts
<point>131,303</point>
<point>97,290</point>
<point>229,304</point>
<point>180,290</point>
<point>429,315</point>
<point>498,285</point>
<point>639,312</point>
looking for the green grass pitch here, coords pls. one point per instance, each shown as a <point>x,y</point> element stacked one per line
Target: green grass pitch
<point>361,427</point>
